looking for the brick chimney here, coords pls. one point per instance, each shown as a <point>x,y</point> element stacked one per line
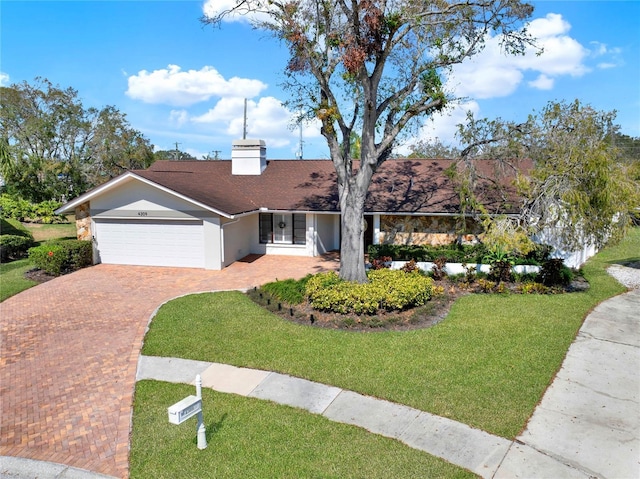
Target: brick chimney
<point>248,157</point>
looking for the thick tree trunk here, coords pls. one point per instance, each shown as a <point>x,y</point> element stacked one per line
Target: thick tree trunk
<point>352,240</point>
<point>353,192</point>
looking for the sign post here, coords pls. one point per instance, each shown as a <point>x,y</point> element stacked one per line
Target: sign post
<point>202,433</point>
<point>189,407</point>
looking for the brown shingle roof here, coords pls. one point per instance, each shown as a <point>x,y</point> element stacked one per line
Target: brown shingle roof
<point>409,186</point>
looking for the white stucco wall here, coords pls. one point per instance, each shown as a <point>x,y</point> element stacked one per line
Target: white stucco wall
<point>327,233</point>
<point>572,259</point>
<point>136,200</point>
<point>238,238</point>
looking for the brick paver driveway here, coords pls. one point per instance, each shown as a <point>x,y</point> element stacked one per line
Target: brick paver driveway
<point>69,350</point>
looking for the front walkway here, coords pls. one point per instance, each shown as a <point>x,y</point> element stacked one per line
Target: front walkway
<point>69,350</point>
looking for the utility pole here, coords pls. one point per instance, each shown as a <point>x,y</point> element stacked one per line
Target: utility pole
<point>176,155</point>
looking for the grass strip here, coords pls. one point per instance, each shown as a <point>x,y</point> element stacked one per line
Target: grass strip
<point>487,364</point>
<point>46,232</point>
<point>252,438</point>
<point>12,280</point>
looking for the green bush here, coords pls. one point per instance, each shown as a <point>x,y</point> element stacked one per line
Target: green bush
<point>533,288</point>
<point>9,226</point>
<point>61,257</point>
<point>554,273</point>
<point>452,253</point>
<point>289,291</point>
<point>390,290</point>
<point>22,210</point>
<point>14,207</point>
<point>14,247</point>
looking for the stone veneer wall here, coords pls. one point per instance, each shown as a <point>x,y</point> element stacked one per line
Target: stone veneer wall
<point>421,230</point>
<point>83,222</point>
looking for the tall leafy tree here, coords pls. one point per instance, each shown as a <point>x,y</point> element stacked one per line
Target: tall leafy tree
<point>55,148</point>
<point>580,185</point>
<point>433,148</point>
<point>374,67</point>
<point>175,155</point>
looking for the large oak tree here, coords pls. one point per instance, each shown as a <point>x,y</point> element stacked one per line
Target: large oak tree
<point>374,67</point>
<point>53,148</point>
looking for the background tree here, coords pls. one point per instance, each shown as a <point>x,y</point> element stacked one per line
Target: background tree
<point>173,155</point>
<point>374,67</point>
<point>433,149</point>
<point>580,186</point>
<point>54,148</point>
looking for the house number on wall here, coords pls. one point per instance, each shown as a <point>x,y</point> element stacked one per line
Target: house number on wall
<point>142,213</point>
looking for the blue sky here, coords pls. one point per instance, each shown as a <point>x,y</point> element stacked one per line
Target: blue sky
<point>179,81</point>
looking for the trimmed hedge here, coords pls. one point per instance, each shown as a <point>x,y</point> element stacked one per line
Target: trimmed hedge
<point>290,291</point>
<point>391,290</point>
<point>14,247</point>
<point>452,253</point>
<point>62,257</point>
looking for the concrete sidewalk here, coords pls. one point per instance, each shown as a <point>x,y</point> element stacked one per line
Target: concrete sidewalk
<point>458,443</point>
<point>587,425</point>
<point>589,418</point>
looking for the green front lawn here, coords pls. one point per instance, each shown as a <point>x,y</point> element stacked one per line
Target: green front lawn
<point>250,438</point>
<point>487,365</point>
<point>46,232</point>
<point>12,279</point>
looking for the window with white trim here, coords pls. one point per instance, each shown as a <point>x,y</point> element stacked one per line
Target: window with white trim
<point>283,228</point>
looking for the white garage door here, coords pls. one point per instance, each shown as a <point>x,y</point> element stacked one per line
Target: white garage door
<point>150,243</point>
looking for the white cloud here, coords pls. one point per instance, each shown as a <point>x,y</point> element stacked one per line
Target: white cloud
<point>4,79</point>
<point>267,119</point>
<point>551,25</point>
<point>543,82</point>
<point>178,117</point>
<point>614,55</point>
<point>442,126</point>
<point>225,110</point>
<point>606,66</point>
<point>492,74</point>
<point>172,86</point>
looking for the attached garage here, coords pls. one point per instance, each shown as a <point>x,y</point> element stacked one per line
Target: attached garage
<point>150,242</point>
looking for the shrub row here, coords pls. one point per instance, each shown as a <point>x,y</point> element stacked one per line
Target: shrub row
<point>288,291</point>
<point>14,247</point>
<point>387,290</point>
<point>452,253</point>
<point>61,257</point>
<point>23,210</point>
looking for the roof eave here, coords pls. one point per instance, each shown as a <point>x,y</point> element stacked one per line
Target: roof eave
<point>129,176</point>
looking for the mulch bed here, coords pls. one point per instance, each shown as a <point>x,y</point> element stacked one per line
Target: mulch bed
<point>416,318</point>
<point>38,275</point>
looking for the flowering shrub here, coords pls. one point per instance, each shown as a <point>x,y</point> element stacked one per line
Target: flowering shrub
<point>62,257</point>
<point>387,289</point>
